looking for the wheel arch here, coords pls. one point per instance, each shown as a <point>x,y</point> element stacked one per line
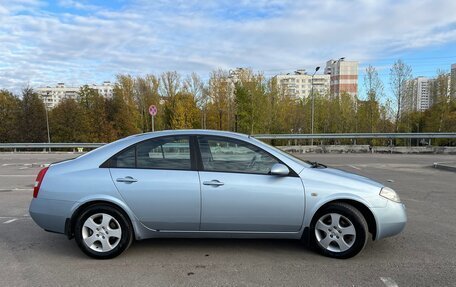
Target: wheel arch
<point>365,211</point>
<point>78,209</point>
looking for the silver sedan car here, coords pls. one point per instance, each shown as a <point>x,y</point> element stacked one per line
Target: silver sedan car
<point>211,184</point>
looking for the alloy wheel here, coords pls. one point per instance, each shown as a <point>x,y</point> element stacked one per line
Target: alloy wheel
<point>101,232</point>
<point>335,232</point>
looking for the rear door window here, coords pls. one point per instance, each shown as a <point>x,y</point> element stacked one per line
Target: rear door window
<point>171,153</point>
<point>164,153</point>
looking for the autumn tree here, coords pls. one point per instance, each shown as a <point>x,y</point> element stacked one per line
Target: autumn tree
<point>10,116</point>
<point>95,115</point>
<point>195,86</point>
<point>147,93</point>
<point>123,111</point>
<point>252,105</point>
<point>32,124</point>
<point>374,92</point>
<point>221,101</point>
<point>69,123</point>
<point>170,84</point>
<point>400,76</point>
<point>182,112</point>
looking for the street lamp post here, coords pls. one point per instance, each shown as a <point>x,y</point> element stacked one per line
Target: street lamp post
<point>47,120</point>
<point>313,102</point>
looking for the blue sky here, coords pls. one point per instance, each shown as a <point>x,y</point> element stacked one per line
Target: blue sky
<point>82,41</point>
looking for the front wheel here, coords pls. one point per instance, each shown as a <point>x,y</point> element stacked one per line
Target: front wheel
<point>103,232</point>
<point>339,230</point>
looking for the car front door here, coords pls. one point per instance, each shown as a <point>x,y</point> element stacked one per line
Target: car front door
<point>239,194</point>
<point>159,182</point>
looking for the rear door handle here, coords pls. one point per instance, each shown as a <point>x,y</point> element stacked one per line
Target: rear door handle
<point>127,179</point>
<point>213,182</point>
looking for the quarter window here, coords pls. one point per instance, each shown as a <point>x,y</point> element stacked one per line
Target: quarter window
<point>125,159</point>
<point>230,155</point>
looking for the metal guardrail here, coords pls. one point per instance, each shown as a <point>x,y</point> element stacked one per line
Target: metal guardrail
<point>359,136</point>
<point>44,146</point>
<point>48,146</point>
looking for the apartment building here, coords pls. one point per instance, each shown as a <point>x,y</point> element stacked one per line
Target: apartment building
<point>299,84</point>
<point>453,81</point>
<point>53,95</point>
<point>422,95</point>
<point>343,76</point>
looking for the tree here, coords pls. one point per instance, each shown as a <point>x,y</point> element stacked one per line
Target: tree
<point>10,111</point>
<point>123,111</point>
<point>251,103</point>
<point>94,115</point>
<point>182,111</point>
<point>69,122</point>
<point>33,118</point>
<point>220,111</point>
<point>195,86</point>
<point>374,91</point>
<point>400,76</point>
<point>147,94</point>
<point>170,84</point>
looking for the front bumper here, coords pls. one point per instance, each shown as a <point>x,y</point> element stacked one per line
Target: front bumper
<point>50,214</point>
<point>390,220</point>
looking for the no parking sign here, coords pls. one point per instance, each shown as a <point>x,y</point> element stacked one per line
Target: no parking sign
<point>153,111</point>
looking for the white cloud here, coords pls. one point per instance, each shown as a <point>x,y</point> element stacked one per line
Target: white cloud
<point>77,5</point>
<point>41,46</point>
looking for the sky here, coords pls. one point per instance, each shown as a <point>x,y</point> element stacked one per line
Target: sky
<point>81,41</point>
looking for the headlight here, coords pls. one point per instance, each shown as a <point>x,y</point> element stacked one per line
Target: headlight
<point>390,194</point>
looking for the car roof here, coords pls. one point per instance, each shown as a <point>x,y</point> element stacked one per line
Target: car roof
<point>191,132</point>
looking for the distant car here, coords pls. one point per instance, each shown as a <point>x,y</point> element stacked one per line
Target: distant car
<point>200,183</point>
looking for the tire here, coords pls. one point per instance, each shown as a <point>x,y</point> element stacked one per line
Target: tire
<point>102,231</point>
<point>342,240</point>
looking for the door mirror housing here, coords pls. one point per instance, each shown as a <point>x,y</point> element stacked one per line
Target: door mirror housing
<point>279,169</point>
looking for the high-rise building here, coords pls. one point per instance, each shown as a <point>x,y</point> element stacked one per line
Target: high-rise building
<point>53,95</point>
<point>299,84</point>
<point>344,77</point>
<point>422,94</point>
<point>453,81</point>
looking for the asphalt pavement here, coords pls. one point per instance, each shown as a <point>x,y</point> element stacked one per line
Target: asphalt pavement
<point>423,255</point>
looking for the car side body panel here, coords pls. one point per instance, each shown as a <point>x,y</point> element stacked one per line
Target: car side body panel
<point>162,199</point>
<point>247,202</point>
<point>68,185</point>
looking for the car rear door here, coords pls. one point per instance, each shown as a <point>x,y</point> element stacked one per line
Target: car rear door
<point>239,194</point>
<point>158,181</point>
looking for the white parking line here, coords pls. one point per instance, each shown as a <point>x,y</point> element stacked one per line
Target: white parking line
<point>16,189</point>
<point>20,175</point>
<point>388,282</point>
<point>9,221</point>
<point>352,166</point>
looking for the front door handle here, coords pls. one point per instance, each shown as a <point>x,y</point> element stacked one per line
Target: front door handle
<point>127,179</point>
<point>213,182</point>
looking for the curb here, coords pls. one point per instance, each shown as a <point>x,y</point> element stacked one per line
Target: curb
<point>448,166</point>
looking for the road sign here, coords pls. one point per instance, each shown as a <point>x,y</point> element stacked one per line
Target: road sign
<point>153,110</point>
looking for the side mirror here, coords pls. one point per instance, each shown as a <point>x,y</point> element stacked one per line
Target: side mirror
<point>279,169</point>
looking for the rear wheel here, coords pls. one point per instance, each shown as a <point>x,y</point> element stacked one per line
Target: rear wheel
<point>339,230</point>
<point>103,232</point>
